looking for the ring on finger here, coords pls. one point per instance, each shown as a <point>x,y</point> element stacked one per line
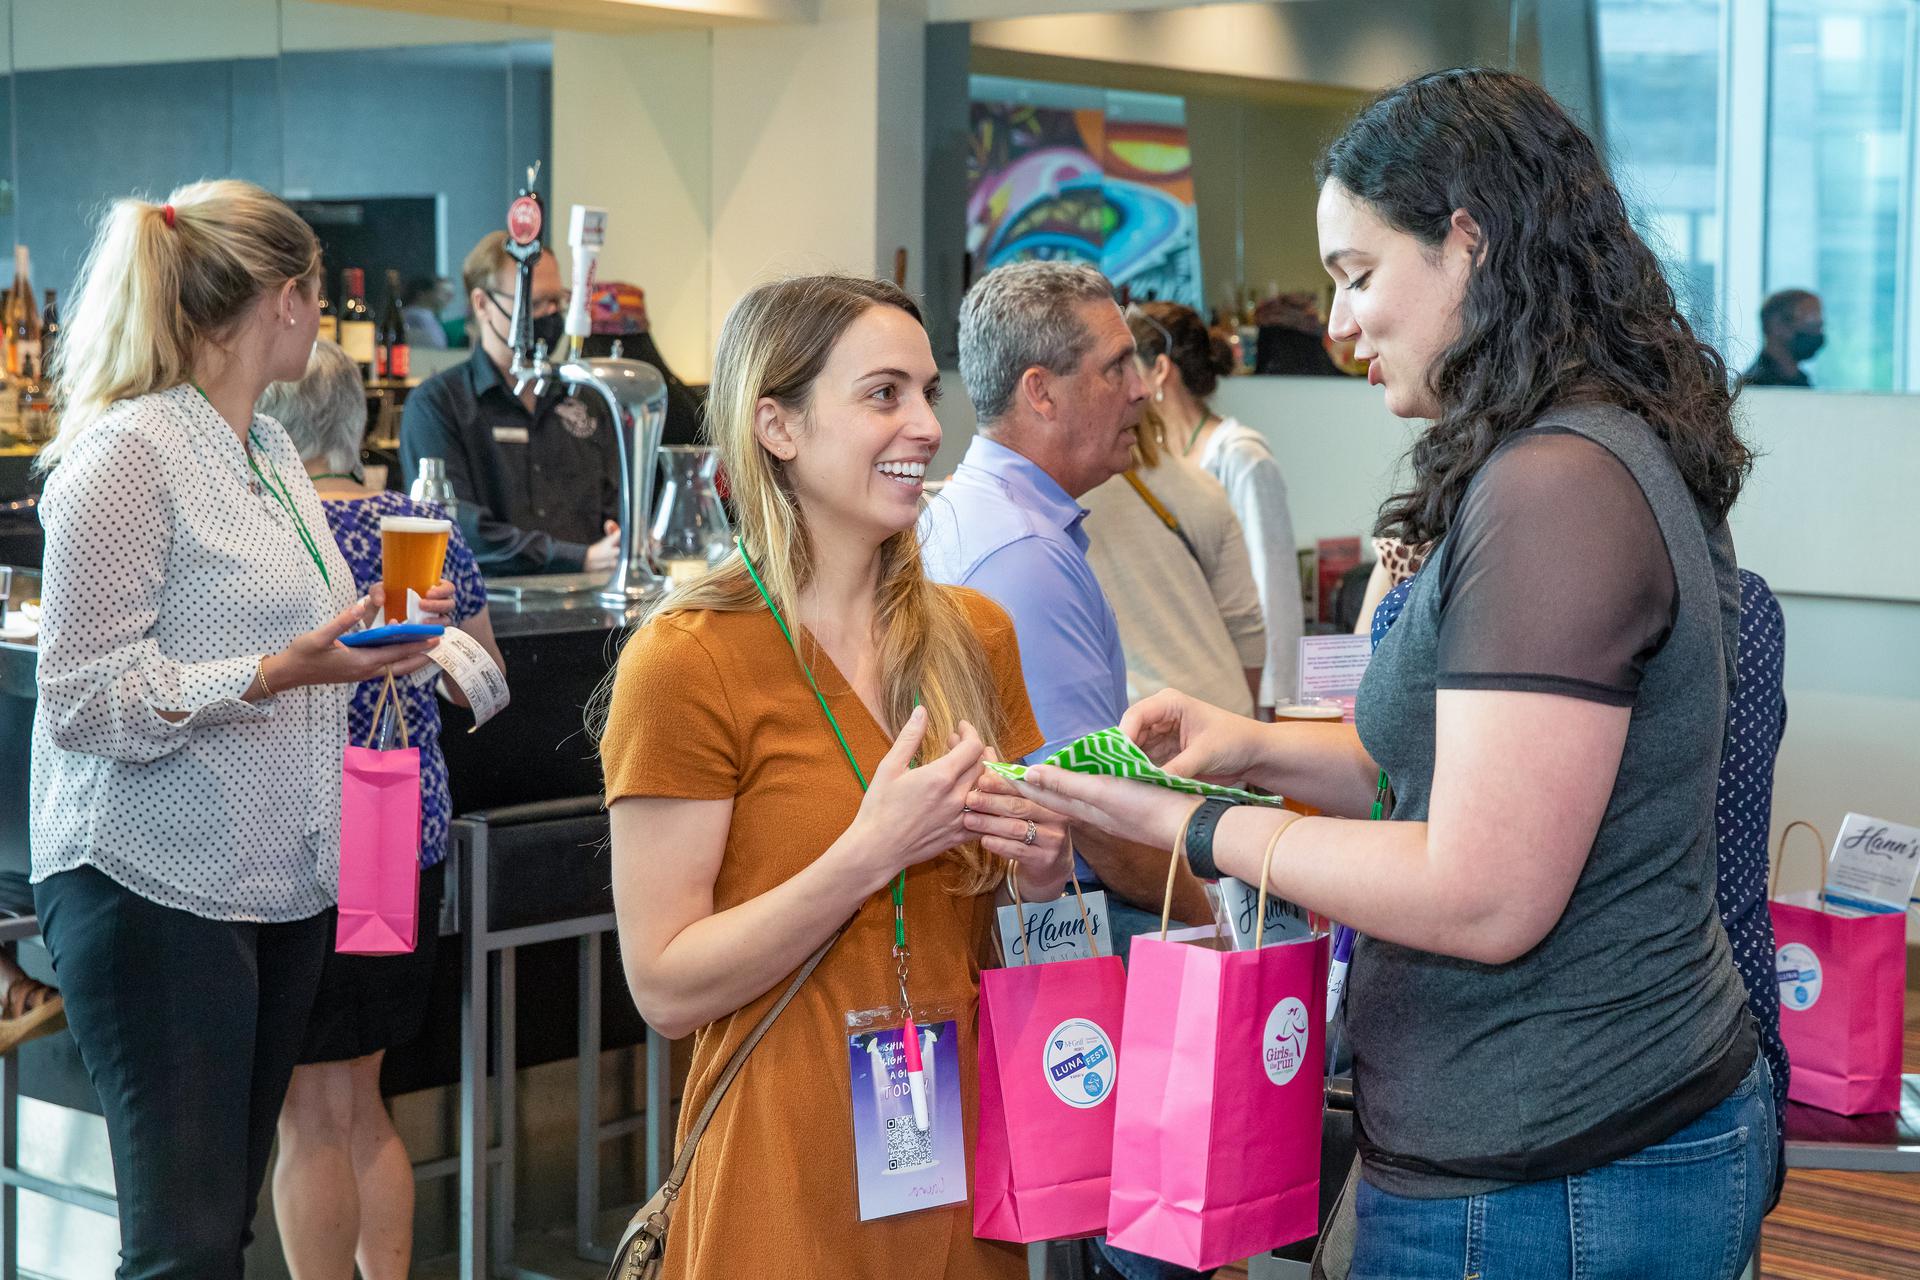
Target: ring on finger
<point>1032,832</point>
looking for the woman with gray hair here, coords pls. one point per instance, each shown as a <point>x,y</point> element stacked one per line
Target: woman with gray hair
<point>343,1187</point>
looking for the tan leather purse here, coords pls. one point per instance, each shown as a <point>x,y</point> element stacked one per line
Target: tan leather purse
<point>642,1251</point>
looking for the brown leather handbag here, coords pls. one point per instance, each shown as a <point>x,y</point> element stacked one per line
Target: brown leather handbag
<point>642,1251</point>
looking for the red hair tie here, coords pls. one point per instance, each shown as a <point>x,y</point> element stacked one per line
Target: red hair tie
<point>166,211</point>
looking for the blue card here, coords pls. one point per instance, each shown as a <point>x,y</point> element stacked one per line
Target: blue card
<point>902,1168</point>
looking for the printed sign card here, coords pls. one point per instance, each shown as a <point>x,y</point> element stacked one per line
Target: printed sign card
<point>1874,865</point>
<point>1331,668</point>
<point>1054,931</point>
<point>1239,900</point>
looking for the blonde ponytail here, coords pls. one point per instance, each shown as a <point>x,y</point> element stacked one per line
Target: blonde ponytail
<point>774,343</point>
<point>159,280</point>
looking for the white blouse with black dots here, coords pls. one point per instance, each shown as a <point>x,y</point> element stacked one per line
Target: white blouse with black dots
<point>170,572</point>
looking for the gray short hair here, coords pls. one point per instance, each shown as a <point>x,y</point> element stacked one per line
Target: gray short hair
<point>325,412</point>
<point>1022,315</point>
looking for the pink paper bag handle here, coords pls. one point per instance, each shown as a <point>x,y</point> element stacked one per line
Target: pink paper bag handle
<point>1780,847</point>
<point>399,713</point>
<point>1020,908</point>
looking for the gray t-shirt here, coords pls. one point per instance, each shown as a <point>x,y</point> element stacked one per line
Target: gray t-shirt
<point>1577,565</point>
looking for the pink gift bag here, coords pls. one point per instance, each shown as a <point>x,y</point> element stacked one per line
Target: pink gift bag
<point>1216,1129</point>
<point>1842,997</point>
<point>1049,1061</point>
<point>379,843</point>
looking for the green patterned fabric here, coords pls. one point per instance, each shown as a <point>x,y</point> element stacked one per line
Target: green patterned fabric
<point>1107,753</point>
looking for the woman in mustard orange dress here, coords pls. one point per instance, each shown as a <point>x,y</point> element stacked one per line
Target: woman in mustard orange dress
<point>742,837</point>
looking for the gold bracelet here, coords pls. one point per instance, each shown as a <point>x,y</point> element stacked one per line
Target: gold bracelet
<point>260,674</point>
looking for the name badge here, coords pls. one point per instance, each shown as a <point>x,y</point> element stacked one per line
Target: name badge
<point>509,435</point>
<point>1054,931</point>
<point>1239,900</point>
<point>902,1167</point>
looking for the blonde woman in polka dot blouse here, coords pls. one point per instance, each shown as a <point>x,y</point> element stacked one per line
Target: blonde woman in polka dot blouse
<point>192,706</point>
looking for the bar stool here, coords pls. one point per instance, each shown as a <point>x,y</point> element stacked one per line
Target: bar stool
<point>527,874</point>
<point>14,1179</point>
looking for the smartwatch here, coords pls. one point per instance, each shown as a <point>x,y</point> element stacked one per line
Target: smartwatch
<point>1199,838</point>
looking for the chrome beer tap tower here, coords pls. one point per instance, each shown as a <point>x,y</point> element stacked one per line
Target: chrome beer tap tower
<point>633,391</point>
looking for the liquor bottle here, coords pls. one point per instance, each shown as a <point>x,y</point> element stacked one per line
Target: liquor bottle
<point>23,322</point>
<point>10,426</point>
<point>432,485</point>
<point>329,318</point>
<point>356,322</point>
<point>396,355</point>
<point>49,331</point>
<point>30,392</point>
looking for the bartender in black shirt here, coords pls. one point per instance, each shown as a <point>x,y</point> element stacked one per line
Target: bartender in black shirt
<point>537,479</point>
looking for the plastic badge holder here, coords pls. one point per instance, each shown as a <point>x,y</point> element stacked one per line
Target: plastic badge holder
<point>1107,752</point>
<point>394,633</point>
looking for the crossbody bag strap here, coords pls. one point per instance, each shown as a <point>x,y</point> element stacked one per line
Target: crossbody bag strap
<point>1167,517</point>
<point>739,1059</point>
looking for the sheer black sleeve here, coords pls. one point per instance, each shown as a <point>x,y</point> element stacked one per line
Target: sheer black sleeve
<point>1554,577</point>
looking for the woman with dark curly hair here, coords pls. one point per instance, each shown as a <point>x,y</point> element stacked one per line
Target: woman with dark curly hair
<point>1553,1065</point>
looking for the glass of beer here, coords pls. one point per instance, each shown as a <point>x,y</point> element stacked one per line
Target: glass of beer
<point>413,551</point>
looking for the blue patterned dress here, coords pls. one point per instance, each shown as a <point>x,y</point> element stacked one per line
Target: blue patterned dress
<point>356,527</point>
<point>1743,807</point>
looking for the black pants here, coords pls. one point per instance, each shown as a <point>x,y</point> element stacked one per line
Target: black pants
<point>189,1029</point>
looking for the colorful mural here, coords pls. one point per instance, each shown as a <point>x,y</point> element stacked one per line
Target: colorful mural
<point>1081,185</point>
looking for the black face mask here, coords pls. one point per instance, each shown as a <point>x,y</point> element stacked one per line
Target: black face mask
<point>1806,344</point>
<point>547,329</point>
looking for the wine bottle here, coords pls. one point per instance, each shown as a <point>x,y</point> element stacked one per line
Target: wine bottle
<point>329,318</point>
<point>25,321</point>
<point>397,355</point>
<point>356,322</point>
<point>30,398</point>
<point>49,331</point>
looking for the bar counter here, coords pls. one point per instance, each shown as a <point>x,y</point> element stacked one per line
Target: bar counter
<point>557,651</point>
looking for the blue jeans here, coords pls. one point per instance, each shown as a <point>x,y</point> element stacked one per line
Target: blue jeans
<point>1688,1208</point>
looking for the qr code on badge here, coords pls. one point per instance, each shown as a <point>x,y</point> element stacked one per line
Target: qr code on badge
<point>907,1147</point>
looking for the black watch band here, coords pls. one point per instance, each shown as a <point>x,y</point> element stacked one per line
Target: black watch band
<point>1200,829</point>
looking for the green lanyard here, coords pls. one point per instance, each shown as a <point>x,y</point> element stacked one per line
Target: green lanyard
<point>278,488</point>
<point>900,881</point>
<point>1205,418</point>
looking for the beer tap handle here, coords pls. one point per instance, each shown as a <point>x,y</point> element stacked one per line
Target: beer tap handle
<point>586,232</point>
<point>526,218</point>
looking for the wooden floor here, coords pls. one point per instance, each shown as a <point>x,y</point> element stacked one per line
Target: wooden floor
<point>1847,1226</point>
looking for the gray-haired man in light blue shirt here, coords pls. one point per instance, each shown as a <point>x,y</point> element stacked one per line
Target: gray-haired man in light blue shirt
<point>1048,361</point>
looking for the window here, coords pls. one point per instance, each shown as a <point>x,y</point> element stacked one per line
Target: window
<point>1837,169</point>
<point>1660,66</point>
